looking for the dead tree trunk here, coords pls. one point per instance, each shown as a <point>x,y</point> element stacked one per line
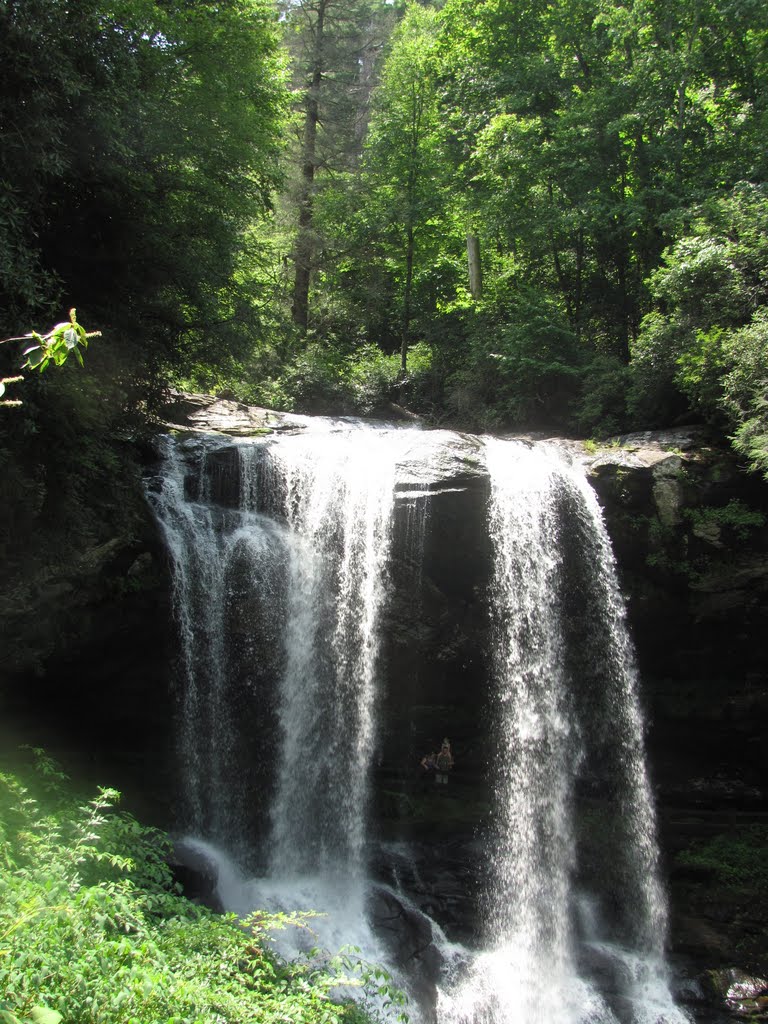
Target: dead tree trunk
<point>474,266</point>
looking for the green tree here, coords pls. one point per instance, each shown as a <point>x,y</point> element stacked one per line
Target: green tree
<point>333,46</point>
<point>703,349</point>
<point>139,153</point>
<point>584,126</point>
<point>140,140</point>
<point>404,160</point>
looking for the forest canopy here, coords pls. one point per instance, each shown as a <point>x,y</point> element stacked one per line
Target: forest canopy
<point>548,216</point>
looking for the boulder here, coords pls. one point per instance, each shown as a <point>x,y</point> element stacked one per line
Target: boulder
<point>407,934</point>
<point>208,414</point>
<point>742,994</point>
<point>197,873</point>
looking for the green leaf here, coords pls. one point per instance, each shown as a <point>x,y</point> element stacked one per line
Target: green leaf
<point>42,1015</point>
<point>35,357</point>
<point>57,329</point>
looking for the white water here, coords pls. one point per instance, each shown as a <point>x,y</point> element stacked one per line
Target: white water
<point>328,496</point>
<point>338,493</point>
<point>319,555</point>
<point>211,550</point>
<point>547,726</point>
<point>316,556</point>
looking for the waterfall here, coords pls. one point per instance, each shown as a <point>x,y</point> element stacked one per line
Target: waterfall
<point>338,493</point>
<point>282,551</point>
<point>299,530</point>
<point>218,556</point>
<point>565,710</point>
<point>538,743</point>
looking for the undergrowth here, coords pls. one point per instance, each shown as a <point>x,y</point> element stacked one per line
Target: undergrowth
<point>93,930</point>
<point>738,858</point>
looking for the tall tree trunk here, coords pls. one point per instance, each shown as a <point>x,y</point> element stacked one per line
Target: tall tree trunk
<point>578,301</point>
<point>407,299</point>
<point>474,266</point>
<point>304,241</point>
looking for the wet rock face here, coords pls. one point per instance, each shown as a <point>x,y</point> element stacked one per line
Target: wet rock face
<point>690,536</point>
<point>689,532</point>
<point>435,632</point>
<point>407,934</point>
<point>197,873</point>
<point>743,995</point>
<point>438,869</point>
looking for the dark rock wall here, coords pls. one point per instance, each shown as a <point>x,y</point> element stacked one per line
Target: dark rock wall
<point>435,636</point>
<point>691,542</point>
<point>87,654</point>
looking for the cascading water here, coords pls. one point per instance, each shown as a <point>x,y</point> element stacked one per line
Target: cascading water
<point>318,504</point>
<point>216,553</point>
<point>539,748</point>
<point>337,497</point>
<point>565,707</point>
<point>281,560</point>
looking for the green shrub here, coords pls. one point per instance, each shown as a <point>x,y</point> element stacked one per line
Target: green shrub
<point>735,516</point>
<point>373,377</point>
<point>93,929</point>
<point>702,351</point>
<point>738,859</point>
<point>745,390</point>
<point>520,368</point>
<point>601,408</point>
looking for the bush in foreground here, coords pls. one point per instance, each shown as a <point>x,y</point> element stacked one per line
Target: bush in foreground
<point>94,930</point>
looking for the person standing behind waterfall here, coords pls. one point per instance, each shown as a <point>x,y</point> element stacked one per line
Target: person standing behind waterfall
<point>444,763</point>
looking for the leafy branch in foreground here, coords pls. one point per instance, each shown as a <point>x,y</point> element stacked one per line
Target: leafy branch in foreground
<point>93,928</point>
<point>62,341</point>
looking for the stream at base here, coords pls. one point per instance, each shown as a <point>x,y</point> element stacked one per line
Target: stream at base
<point>456,983</point>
